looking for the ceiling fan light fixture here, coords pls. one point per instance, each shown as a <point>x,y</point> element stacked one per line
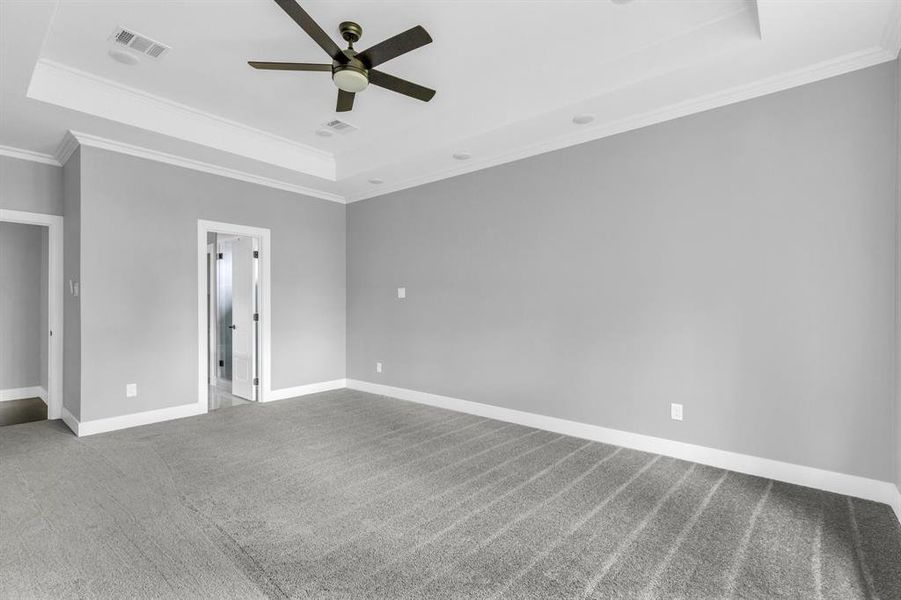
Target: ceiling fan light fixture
<point>350,79</point>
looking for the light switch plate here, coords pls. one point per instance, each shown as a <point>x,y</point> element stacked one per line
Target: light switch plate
<point>131,390</point>
<point>378,367</point>
<point>676,412</point>
<point>401,292</point>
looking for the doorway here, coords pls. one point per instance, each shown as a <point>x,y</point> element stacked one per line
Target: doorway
<point>234,336</point>
<point>233,317</point>
<point>31,316</point>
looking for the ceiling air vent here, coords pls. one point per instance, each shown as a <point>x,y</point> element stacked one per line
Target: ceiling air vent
<point>339,126</point>
<point>139,43</point>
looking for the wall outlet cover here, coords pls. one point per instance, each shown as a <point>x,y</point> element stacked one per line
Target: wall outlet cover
<point>378,367</point>
<point>676,412</point>
<point>401,292</point>
<point>131,390</point>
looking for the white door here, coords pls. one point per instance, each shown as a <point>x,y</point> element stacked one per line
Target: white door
<point>243,326</point>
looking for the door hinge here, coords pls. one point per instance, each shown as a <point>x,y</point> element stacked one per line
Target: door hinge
<point>256,316</point>
<point>256,253</point>
<point>219,256</point>
<point>256,381</point>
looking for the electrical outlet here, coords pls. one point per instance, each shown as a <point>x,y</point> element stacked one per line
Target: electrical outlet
<point>378,367</point>
<point>675,412</point>
<point>401,292</point>
<point>131,390</point>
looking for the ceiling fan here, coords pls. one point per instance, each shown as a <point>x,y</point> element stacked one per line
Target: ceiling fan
<point>353,71</point>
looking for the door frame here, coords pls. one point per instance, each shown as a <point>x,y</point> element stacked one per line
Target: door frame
<point>212,314</point>
<point>56,297</point>
<point>204,227</point>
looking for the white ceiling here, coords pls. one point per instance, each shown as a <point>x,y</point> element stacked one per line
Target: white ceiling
<point>510,76</point>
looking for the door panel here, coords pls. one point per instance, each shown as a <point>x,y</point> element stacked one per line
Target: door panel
<point>243,325</point>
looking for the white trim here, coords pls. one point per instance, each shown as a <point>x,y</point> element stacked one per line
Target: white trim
<point>79,90</point>
<point>895,502</point>
<point>67,147</point>
<point>304,390</point>
<point>70,421</point>
<point>22,154</point>
<point>56,293</point>
<point>265,350</point>
<point>83,428</point>
<point>35,391</point>
<point>851,485</point>
<point>831,68</point>
<point>73,139</point>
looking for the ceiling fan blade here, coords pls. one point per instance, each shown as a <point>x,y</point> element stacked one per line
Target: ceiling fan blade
<point>288,66</point>
<point>401,86</point>
<point>393,47</point>
<point>312,28</point>
<point>345,101</point>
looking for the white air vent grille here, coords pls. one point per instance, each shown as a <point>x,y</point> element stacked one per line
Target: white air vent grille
<point>339,126</point>
<point>139,43</point>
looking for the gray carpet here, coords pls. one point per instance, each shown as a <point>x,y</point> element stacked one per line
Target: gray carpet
<point>349,495</point>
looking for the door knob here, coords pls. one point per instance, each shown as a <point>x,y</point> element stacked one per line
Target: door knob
<point>231,327</point>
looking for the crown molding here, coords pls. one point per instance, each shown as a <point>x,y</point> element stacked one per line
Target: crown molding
<point>85,92</point>
<point>22,154</point>
<point>73,139</point>
<point>824,70</point>
<point>66,148</point>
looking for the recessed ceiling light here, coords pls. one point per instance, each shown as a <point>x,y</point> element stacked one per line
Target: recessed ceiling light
<point>621,1</point>
<point>583,119</point>
<point>323,133</point>
<point>123,57</point>
<point>462,155</point>
<point>376,181</point>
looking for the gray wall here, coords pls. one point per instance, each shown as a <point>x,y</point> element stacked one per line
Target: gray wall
<point>739,261</point>
<point>44,307</point>
<point>20,305</point>
<point>898,275</point>
<point>139,288</point>
<point>72,273</point>
<point>34,187</point>
<point>30,186</point>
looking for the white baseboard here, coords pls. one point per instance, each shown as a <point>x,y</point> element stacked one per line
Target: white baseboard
<point>70,421</point>
<point>896,502</point>
<point>841,483</point>
<point>83,428</point>
<point>34,391</point>
<point>304,390</point>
